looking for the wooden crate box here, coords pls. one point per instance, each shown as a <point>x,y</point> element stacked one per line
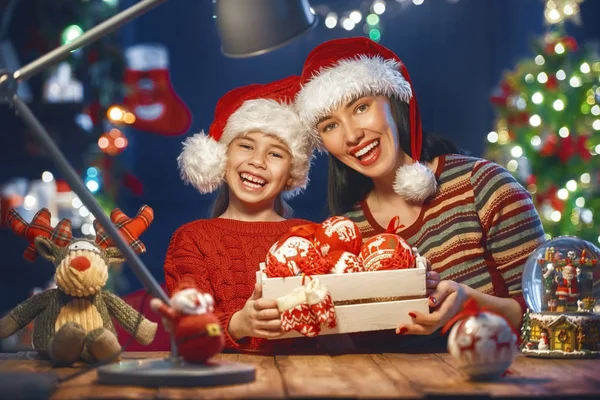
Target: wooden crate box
<point>364,301</point>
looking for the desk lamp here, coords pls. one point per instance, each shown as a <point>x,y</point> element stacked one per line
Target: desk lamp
<point>247,28</point>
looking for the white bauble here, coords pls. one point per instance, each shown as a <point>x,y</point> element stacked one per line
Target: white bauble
<point>484,345</point>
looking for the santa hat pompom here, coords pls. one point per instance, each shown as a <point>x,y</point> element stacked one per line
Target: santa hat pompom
<point>415,182</point>
<point>202,162</point>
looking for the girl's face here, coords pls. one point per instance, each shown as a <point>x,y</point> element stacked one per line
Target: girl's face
<point>363,135</point>
<point>258,168</point>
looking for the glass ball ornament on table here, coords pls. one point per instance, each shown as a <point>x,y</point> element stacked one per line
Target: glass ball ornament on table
<point>482,343</point>
<point>561,286</point>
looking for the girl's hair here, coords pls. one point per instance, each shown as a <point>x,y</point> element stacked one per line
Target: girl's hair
<point>221,203</point>
<point>346,187</point>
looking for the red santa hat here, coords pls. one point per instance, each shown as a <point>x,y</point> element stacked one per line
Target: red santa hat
<point>341,70</point>
<point>259,107</point>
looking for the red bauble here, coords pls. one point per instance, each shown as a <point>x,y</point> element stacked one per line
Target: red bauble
<point>552,83</point>
<point>386,251</point>
<point>338,234</point>
<point>198,337</point>
<point>294,256</point>
<point>343,262</point>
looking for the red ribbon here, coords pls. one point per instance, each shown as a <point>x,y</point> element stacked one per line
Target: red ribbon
<point>394,225</point>
<point>306,231</point>
<point>471,309</point>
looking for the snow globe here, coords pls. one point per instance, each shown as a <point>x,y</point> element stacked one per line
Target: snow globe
<point>561,286</point>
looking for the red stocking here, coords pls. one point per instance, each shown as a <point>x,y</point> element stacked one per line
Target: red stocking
<point>151,97</point>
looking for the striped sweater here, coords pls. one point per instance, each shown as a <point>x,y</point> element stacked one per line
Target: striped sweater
<point>478,229</point>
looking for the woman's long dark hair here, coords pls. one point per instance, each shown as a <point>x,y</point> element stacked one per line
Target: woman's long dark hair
<point>221,203</point>
<point>346,187</point>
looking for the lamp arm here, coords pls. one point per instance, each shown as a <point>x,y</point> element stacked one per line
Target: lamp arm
<point>87,198</point>
<point>97,32</point>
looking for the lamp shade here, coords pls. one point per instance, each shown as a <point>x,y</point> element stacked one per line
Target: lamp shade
<point>253,27</point>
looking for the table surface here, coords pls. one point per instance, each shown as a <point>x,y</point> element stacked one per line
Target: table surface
<point>348,375</point>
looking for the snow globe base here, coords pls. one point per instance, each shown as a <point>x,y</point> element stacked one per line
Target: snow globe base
<point>561,335</point>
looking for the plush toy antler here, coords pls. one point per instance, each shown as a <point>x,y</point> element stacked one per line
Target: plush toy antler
<point>39,227</point>
<point>130,228</point>
<point>74,321</point>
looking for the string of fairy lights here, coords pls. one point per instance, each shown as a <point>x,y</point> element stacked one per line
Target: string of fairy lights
<point>370,17</point>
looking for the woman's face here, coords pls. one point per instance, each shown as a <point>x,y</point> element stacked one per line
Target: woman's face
<point>258,168</point>
<point>363,135</point>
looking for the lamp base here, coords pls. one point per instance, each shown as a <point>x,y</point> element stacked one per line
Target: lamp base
<point>175,372</point>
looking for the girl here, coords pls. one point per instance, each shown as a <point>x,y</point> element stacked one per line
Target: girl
<point>257,152</point>
<point>468,216</point>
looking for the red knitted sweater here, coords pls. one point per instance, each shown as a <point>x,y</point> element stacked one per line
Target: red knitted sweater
<point>222,256</point>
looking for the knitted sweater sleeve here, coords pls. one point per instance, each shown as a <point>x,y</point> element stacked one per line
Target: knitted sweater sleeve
<point>512,228</point>
<point>188,257</point>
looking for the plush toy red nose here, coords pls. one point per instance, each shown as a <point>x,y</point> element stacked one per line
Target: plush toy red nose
<point>80,263</point>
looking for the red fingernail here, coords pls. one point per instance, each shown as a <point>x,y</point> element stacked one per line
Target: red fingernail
<point>433,299</point>
<point>412,315</point>
<point>403,330</point>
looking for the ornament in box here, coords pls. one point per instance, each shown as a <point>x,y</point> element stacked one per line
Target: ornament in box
<point>306,308</point>
<point>482,342</point>
<point>294,253</point>
<point>343,262</point>
<point>561,286</point>
<point>388,251</point>
<point>338,234</point>
<point>196,328</point>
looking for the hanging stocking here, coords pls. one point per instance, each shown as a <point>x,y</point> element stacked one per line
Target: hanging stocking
<point>297,315</point>
<point>150,95</point>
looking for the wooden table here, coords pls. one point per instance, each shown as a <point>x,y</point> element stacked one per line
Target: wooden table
<point>348,375</point>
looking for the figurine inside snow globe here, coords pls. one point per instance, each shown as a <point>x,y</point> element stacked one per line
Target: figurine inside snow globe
<point>561,286</point>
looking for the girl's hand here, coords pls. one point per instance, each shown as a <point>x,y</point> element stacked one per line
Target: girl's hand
<point>447,299</point>
<point>259,318</point>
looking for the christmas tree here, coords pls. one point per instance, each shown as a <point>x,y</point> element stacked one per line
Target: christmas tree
<point>548,127</point>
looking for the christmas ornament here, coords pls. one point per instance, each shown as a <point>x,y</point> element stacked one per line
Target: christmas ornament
<point>482,342</point>
<point>196,328</point>
<point>151,97</point>
<point>560,286</point>
<point>306,308</point>
<point>386,251</point>
<point>293,255</point>
<point>343,262</point>
<point>338,234</point>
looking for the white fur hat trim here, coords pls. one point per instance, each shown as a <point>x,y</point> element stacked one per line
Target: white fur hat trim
<point>203,160</point>
<point>345,81</point>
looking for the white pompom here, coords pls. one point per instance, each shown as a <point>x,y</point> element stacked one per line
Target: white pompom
<point>415,182</point>
<point>202,162</point>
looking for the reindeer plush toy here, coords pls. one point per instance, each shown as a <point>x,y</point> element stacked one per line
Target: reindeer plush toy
<point>73,322</point>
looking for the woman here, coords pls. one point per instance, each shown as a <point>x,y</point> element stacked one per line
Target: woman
<point>468,216</point>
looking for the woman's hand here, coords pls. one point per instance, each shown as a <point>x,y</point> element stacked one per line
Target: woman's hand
<point>447,299</point>
<point>258,318</point>
<point>432,279</point>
